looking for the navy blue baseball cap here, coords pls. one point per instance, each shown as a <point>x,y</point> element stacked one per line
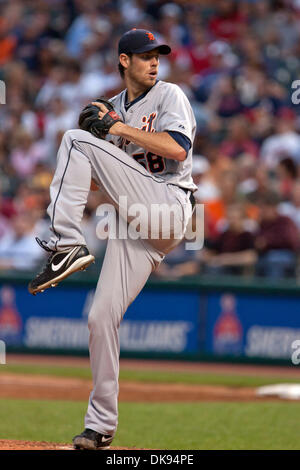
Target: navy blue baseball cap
<point>138,41</point>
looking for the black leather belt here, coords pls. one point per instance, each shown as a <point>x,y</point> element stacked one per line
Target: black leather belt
<point>192,199</point>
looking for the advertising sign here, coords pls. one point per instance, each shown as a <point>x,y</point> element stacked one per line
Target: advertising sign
<point>57,319</point>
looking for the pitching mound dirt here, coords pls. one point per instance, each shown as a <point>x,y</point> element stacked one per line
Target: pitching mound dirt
<point>6,444</point>
<point>61,388</point>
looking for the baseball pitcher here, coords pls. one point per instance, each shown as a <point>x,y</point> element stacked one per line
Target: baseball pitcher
<point>139,145</point>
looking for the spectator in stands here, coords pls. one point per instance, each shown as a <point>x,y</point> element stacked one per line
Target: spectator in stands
<point>238,141</point>
<point>7,42</point>
<point>7,205</point>
<point>216,208</point>
<point>71,91</point>
<point>201,167</point>
<point>58,119</point>
<point>7,212</point>
<point>170,23</point>
<point>292,208</point>
<point>287,172</point>
<point>262,185</point>
<point>284,143</point>
<point>18,249</point>
<point>262,18</point>
<point>277,240</point>
<point>228,22</point>
<point>27,154</point>
<point>246,169</point>
<point>199,53</point>
<point>31,35</point>
<point>260,121</point>
<point>81,27</point>
<point>224,99</point>
<point>52,85</point>
<point>251,85</point>
<point>232,252</point>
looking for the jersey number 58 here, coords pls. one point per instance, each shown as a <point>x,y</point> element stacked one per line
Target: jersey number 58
<point>150,161</point>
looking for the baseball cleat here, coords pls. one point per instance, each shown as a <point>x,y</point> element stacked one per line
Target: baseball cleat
<point>60,265</point>
<point>92,440</point>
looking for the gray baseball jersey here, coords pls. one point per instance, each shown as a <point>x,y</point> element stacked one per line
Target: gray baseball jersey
<point>164,108</point>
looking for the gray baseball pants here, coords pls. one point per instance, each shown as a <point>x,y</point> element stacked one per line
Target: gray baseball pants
<point>127,262</point>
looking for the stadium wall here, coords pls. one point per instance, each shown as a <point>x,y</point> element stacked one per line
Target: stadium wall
<point>215,320</point>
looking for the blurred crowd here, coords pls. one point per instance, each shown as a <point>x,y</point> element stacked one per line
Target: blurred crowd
<point>237,61</point>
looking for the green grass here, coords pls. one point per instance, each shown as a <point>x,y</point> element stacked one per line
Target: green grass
<point>202,379</point>
<point>57,371</point>
<point>162,426</point>
<point>153,376</point>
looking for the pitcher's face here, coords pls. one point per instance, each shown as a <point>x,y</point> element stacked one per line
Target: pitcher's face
<point>142,68</point>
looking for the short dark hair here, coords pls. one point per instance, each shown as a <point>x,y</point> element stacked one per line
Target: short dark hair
<point>121,68</point>
<point>270,198</point>
<point>290,166</point>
